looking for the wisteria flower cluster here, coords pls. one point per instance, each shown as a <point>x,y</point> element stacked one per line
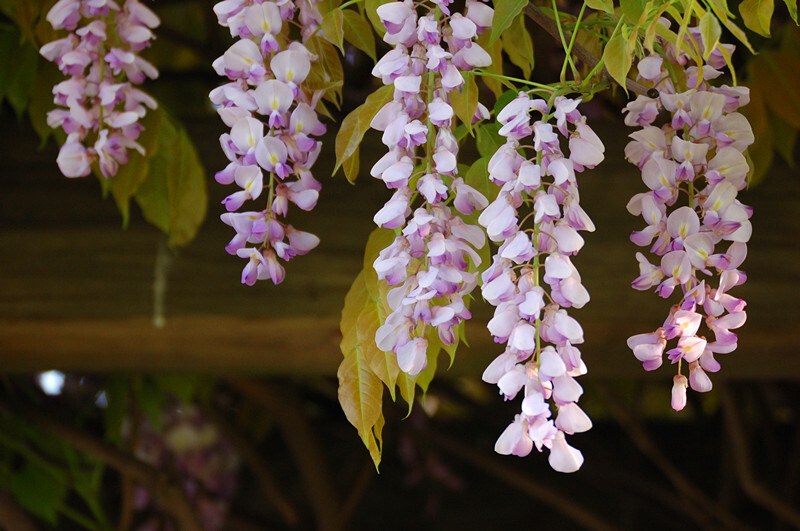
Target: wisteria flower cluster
<point>273,124</point>
<point>428,261</point>
<point>693,167</point>
<point>527,314</point>
<point>102,108</point>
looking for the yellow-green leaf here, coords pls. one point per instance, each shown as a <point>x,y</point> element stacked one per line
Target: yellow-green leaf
<point>357,123</point>
<point>465,101</point>
<point>632,10</point>
<point>495,51</point>
<point>710,32</point>
<point>518,45</point>
<point>351,165</point>
<point>617,59</point>
<point>358,32</point>
<point>505,11</point>
<point>332,26</point>
<point>757,15</point>
<point>601,5</point>
<point>791,5</point>
<point>361,397</point>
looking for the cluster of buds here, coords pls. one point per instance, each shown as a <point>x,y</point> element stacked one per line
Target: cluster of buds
<point>102,107</point>
<point>204,462</point>
<point>527,315</point>
<point>273,124</point>
<point>694,167</point>
<point>429,259</point>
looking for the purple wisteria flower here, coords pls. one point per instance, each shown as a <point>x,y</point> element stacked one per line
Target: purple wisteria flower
<point>101,108</point>
<point>697,230</point>
<point>271,146</point>
<point>429,260</point>
<point>532,282</point>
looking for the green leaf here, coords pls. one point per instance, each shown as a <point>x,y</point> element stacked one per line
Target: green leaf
<point>632,10</point>
<point>791,5</point>
<point>357,123</point>
<point>757,15</point>
<point>488,139</point>
<point>518,45</point>
<point>35,491</point>
<point>465,101</point>
<point>18,65</point>
<point>327,70</point>
<point>358,32</point>
<point>617,59</point>
<point>131,175</point>
<point>710,32</point>
<point>606,6</point>
<point>505,11</point>
<point>173,195</point>
<point>478,177</point>
<point>332,26</point>
<point>41,102</point>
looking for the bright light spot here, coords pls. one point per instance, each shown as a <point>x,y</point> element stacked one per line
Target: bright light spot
<point>51,382</point>
<point>101,400</point>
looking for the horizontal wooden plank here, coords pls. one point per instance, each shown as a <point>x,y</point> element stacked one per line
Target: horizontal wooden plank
<point>76,291</point>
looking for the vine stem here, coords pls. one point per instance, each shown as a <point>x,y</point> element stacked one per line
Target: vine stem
<point>549,25</point>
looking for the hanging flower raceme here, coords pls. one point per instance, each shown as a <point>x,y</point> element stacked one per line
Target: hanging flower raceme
<point>429,259</point>
<point>101,107</point>
<point>697,230</point>
<point>532,281</point>
<point>271,145</point>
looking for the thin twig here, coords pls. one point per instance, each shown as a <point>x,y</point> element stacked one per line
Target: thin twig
<point>266,481</point>
<point>550,26</point>
<point>741,458</point>
<point>167,492</point>
<point>559,501</point>
<point>648,447</point>
<point>357,491</point>
<point>282,404</point>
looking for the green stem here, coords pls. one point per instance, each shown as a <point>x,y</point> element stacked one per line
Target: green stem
<point>571,43</point>
<point>567,58</point>
<point>548,88</point>
<point>349,3</point>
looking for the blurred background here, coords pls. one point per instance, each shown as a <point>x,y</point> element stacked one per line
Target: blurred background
<point>146,388</point>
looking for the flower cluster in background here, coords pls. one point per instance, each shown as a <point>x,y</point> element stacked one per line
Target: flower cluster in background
<point>533,249</point>
<point>693,166</point>
<point>101,107</point>
<point>429,259</point>
<point>273,128</point>
<point>205,463</point>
